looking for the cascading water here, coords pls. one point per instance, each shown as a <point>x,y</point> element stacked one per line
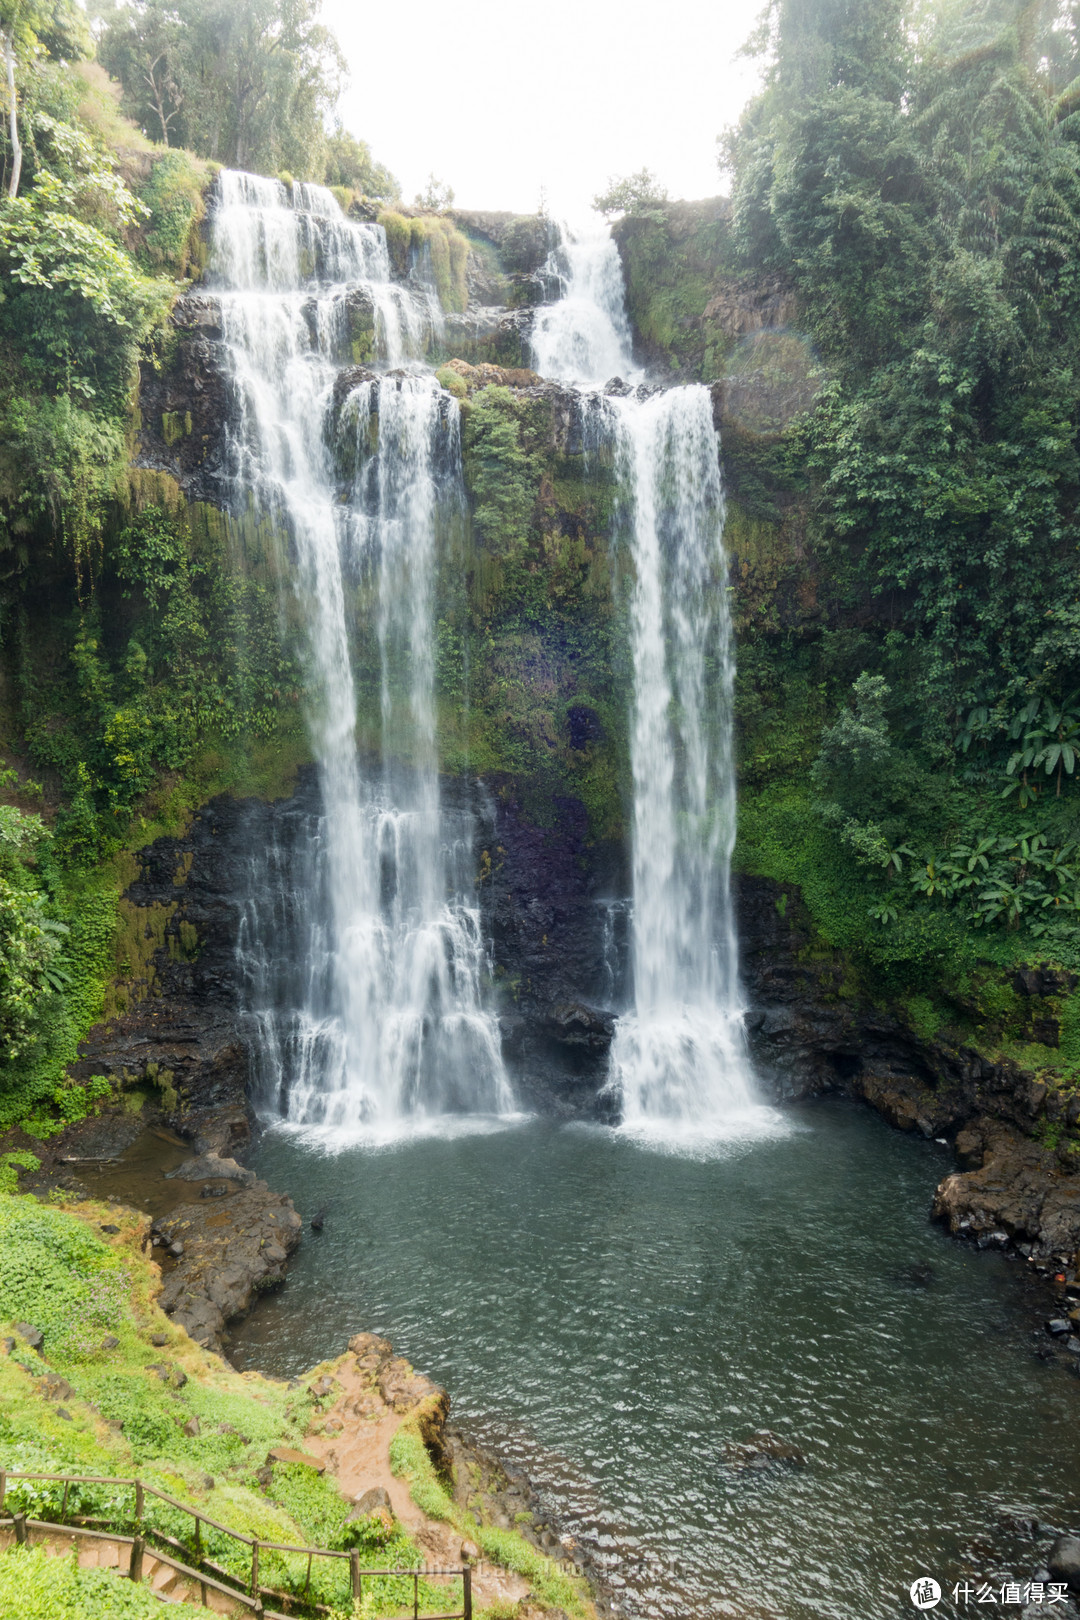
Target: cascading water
<point>363,956</point>
<point>678,1058</point>
<point>584,337</point>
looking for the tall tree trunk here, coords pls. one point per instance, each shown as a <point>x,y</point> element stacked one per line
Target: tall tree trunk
<point>13,115</point>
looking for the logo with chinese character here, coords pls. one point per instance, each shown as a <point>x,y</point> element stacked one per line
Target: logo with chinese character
<point>925,1592</point>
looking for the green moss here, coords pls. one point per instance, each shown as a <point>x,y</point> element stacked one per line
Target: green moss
<point>923,1017</point>
<point>175,425</point>
<point>452,382</point>
<point>174,193</point>
<point>398,238</point>
<point>676,256</point>
<point>1069,1033</point>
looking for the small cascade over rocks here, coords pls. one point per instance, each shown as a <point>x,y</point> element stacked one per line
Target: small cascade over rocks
<point>361,948</point>
<point>584,337</point>
<point>678,1062</point>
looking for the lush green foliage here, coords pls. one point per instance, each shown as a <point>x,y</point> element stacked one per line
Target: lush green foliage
<point>349,163</point>
<point>186,1423</point>
<point>37,1586</point>
<point>914,174</point>
<point>56,1273</point>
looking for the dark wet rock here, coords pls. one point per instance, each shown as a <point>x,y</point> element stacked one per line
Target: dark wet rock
<point>109,1227</point>
<point>159,1339</point>
<point>184,406</point>
<point>318,1220</point>
<point>177,1024</point>
<point>1064,1561</point>
<point>110,1342</point>
<point>231,1255</point>
<point>917,1276</point>
<point>1018,1518</point>
<point>762,1450</point>
<point>98,1139</point>
<point>1018,1192</point>
<point>205,1165</point>
<point>30,1335</point>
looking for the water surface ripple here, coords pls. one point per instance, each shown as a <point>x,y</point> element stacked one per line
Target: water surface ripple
<point>614,1316</point>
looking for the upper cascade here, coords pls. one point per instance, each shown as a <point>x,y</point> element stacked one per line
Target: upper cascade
<point>278,238</point>
<point>274,240</point>
<point>585,337</point>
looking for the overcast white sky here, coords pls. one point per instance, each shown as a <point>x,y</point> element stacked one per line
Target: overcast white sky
<point>500,98</point>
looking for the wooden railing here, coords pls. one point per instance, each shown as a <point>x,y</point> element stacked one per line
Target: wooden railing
<point>253,1594</point>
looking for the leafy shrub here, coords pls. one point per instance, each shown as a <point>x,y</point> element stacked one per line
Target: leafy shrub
<point>37,1586</point>
<point>59,1275</point>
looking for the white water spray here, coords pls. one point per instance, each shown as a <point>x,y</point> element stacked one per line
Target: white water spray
<point>385,1027</point>
<point>678,1060</point>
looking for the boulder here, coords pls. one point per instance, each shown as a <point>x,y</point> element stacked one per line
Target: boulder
<point>1064,1561</point>
<point>377,1497</point>
<point>761,1450</point>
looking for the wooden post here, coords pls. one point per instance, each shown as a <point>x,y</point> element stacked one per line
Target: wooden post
<point>63,1504</point>
<point>466,1584</point>
<point>416,1596</point>
<point>19,1521</point>
<point>135,1567</point>
<point>3,1487</point>
<point>255,1569</point>
<point>198,1538</point>
<point>140,1502</point>
<point>354,1571</point>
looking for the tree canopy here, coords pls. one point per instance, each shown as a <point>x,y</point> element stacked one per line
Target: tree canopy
<point>247,83</point>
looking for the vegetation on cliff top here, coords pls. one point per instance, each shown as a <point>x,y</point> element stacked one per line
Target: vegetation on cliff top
<point>247,83</point>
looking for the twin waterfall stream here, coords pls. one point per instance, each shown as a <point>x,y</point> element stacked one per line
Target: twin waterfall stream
<point>363,952</point>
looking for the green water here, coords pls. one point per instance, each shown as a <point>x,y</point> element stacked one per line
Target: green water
<point>612,1316</point>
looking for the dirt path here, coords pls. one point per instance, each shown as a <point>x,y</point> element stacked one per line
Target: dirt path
<point>369,1394</point>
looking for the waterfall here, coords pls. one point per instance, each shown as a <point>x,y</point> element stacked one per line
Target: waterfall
<point>361,949</point>
<point>678,1059</point>
<point>584,337</point>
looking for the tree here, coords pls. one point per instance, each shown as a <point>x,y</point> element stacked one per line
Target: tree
<point>436,196</point>
<point>143,47</point>
<point>631,194</point>
<point>349,163</point>
<point>55,27</point>
<point>244,82</point>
